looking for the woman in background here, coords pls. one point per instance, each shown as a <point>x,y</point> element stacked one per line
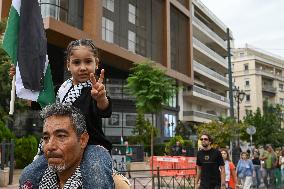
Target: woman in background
<point>245,170</point>
<point>231,177</point>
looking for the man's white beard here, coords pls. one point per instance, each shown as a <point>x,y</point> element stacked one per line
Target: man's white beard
<point>57,168</point>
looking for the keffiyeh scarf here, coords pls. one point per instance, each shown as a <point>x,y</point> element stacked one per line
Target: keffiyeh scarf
<point>50,180</point>
<point>68,93</point>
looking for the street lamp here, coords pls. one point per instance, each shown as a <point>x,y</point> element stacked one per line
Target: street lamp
<point>239,97</point>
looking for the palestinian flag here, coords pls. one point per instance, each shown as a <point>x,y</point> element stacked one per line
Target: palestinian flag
<point>25,42</point>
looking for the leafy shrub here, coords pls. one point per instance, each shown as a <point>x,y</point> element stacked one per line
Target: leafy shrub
<point>159,149</point>
<point>5,132</point>
<point>172,142</point>
<point>25,150</point>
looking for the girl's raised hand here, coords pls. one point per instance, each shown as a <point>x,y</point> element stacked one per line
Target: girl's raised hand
<point>98,91</point>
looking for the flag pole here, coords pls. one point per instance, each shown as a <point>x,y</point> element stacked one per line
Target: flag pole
<point>12,101</point>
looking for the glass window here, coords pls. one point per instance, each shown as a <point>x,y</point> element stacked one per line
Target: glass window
<point>169,125</point>
<point>280,86</point>
<point>70,12</point>
<point>109,5</point>
<point>282,101</point>
<point>246,66</point>
<point>172,101</point>
<point>131,41</point>
<point>107,30</point>
<point>248,97</point>
<point>247,82</point>
<point>131,13</point>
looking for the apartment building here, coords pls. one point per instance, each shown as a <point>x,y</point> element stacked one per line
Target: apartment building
<point>260,75</point>
<point>125,31</point>
<point>182,36</point>
<point>207,100</point>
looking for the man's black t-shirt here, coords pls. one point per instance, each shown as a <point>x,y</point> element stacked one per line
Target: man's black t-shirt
<point>209,162</point>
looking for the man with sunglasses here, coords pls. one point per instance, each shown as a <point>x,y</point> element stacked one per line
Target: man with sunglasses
<point>210,166</point>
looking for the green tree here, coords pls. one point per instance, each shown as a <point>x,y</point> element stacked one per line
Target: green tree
<point>267,124</point>
<point>183,130</point>
<point>142,131</point>
<point>151,88</point>
<point>222,131</point>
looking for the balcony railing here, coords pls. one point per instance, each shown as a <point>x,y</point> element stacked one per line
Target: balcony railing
<point>210,14</point>
<point>270,74</point>
<point>265,72</point>
<point>209,32</point>
<point>210,53</point>
<point>268,88</point>
<point>209,94</point>
<point>200,114</point>
<point>209,71</point>
<point>64,14</point>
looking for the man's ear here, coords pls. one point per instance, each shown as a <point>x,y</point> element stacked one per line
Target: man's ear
<point>84,138</point>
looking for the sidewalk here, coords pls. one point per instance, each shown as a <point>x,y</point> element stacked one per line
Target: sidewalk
<point>15,185</point>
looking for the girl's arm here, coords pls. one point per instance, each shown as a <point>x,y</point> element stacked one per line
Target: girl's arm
<point>234,174</point>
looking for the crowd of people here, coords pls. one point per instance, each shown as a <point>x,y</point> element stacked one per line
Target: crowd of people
<point>261,166</point>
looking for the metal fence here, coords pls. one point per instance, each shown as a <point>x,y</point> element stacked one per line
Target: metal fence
<point>7,158</point>
<point>143,179</point>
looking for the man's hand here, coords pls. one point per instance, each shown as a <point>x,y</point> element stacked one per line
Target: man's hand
<point>98,91</point>
<point>12,71</point>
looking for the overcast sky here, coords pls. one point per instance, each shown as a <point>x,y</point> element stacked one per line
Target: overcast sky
<point>256,22</point>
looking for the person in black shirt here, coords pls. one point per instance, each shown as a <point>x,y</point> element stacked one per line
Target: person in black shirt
<point>256,166</point>
<point>210,166</point>
<point>177,149</point>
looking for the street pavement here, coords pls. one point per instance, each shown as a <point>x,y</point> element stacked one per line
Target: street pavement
<point>17,173</point>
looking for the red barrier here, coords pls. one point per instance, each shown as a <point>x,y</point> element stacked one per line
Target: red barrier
<point>174,162</point>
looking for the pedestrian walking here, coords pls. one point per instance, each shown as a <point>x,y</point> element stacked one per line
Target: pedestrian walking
<point>256,168</point>
<point>281,161</point>
<point>129,154</point>
<point>210,166</point>
<point>177,149</point>
<point>269,157</point>
<point>277,171</point>
<point>230,172</point>
<point>245,170</point>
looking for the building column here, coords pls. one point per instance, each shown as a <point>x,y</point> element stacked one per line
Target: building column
<point>93,12</point>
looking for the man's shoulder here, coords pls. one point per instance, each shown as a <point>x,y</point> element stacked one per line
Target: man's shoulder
<point>96,167</point>
<point>32,174</point>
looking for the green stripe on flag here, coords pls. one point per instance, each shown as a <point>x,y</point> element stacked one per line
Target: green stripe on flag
<point>11,37</point>
<point>47,96</point>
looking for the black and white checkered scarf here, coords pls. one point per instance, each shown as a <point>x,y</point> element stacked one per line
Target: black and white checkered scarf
<point>50,180</point>
<point>68,93</point>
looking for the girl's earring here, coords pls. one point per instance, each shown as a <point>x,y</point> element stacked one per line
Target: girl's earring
<point>68,69</point>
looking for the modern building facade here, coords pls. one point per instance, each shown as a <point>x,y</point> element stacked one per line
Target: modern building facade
<point>182,36</point>
<point>207,100</point>
<point>125,31</point>
<point>260,75</point>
